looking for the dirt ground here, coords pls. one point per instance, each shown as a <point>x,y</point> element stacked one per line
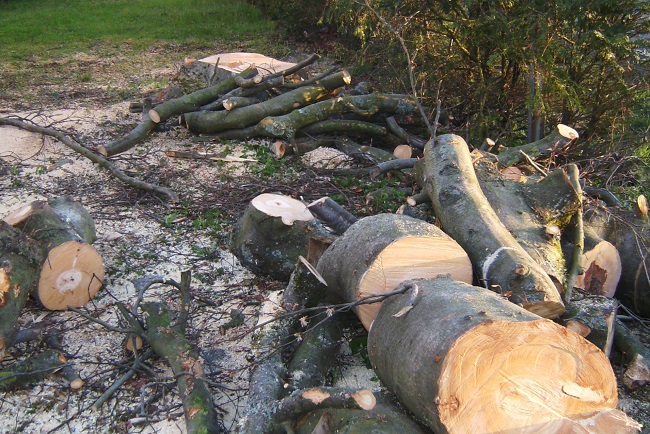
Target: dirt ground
<point>87,96</point>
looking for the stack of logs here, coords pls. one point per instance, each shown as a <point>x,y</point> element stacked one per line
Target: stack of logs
<point>465,339</point>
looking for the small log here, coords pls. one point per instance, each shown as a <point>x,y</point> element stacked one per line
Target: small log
<point>556,141</point>
<point>465,360</point>
<point>73,271</point>
<point>465,214</point>
<point>207,122</point>
<point>413,141</point>
<point>166,336</point>
<point>635,354</point>
<point>631,237</point>
<point>272,233</point>
<point>352,128</point>
<point>332,214</point>
<point>594,318</point>
<point>601,265</point>
<point>379,252</point>
<point>402,152</point>
<point>239,101</point>
<point>366,154</point>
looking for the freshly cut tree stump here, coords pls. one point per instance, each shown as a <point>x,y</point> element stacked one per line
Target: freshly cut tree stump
<point>73,271</point>
<point>466,215</point>
<point>465,360</point>
<point>379,252</point>
<point>273,232</point>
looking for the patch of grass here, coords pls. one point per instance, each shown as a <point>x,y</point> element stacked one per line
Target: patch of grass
<point>33,27</point>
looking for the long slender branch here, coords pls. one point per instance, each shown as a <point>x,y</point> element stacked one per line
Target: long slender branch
<point>97,159</point>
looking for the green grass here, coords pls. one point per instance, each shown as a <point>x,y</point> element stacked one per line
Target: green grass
<point>29,27</point>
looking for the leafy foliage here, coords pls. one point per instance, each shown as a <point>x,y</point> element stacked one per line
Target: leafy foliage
<point>506,67</point>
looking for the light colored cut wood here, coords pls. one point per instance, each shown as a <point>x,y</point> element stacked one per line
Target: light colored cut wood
<point>602,270</point>
<point>239,61</point>
<point>71,275</point>
<point>285,207</point>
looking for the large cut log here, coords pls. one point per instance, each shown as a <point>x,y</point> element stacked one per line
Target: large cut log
<point>465,360</point>
<point>466,215</point>
<point>272,233</point>
<point>207,122</point>
<point>379,252</point>
<point>20,259</point>
<point>557,141</point>
<point>534,213</point>
<point>73,271</point>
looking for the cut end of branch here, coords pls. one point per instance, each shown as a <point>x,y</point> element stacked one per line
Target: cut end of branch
<point>365,399</point>
<point>154,116</point>
<point>567,132</point>
<point>285,207</point>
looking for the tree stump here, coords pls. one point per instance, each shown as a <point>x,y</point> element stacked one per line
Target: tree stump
<point>73,271</point>
<point>273,232</point>
<point>379,252</point>
<point>465,360</point>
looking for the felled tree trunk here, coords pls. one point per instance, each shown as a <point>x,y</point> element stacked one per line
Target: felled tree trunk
<point>558,140</point>
<point>20,259</point>
<point>207,122</point>
<point>466,215</point>
<point>272,234</point>
<point>534,213</point>
<point>73,271</point>
<point>465,360</point>
<point>378,252</point>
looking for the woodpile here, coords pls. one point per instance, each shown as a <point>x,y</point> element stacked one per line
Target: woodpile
<point>463,316</point>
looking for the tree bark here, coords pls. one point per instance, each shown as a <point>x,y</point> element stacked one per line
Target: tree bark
<point>465,213</point>
<point>20,260</point>
<point>22,374</point>
<point>465,360</point>
<point>528,210</point>
<point>594,318</point>
<point>207,122</point>
<point>378,252</point>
